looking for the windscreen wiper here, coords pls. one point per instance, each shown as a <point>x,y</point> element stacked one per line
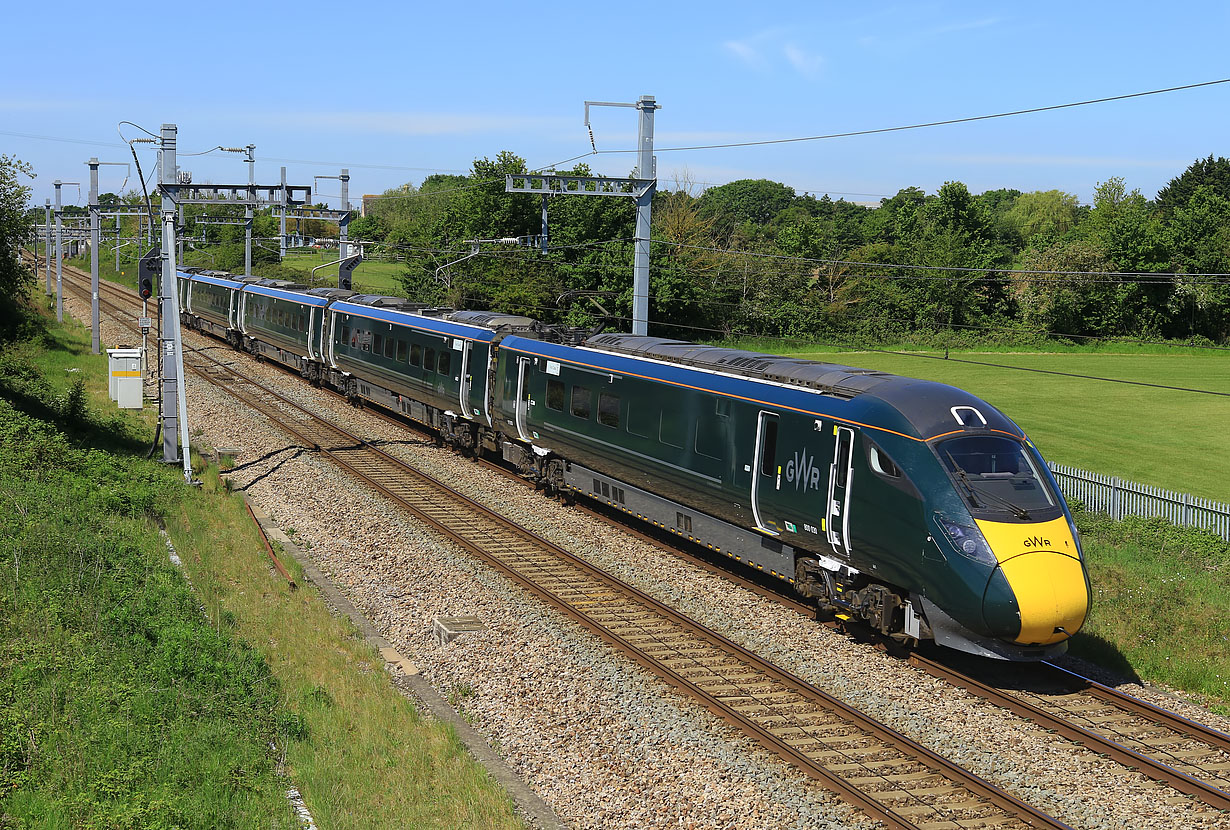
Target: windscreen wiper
<point>1017,510</point>
<point>969,488</point>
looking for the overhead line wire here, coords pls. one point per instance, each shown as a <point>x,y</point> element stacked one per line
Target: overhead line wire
<point>923,125</point>
<point>918,354</point>
<point>965,268</point>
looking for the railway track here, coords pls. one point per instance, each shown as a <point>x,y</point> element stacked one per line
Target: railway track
<point>890,777</point>
<point>1186,755</point>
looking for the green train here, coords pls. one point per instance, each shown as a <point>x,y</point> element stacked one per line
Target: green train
<point>911,505</point>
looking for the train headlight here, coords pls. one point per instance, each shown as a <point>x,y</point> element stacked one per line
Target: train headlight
<point>968,541</point>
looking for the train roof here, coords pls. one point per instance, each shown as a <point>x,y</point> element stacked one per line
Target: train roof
<point>285,294</point>
<point>331,293</point>
<point>415,319</point>
<point>493,320</point>
<point>219,278</point>
<point>932,409</point>
<point>829,378</point>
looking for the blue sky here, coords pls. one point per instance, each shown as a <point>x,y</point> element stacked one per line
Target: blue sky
<point>396,91</point>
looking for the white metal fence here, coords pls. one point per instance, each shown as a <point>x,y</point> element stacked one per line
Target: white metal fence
<point>1120,498</point>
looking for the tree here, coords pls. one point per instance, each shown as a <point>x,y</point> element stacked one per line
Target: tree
<point>485,211</point>
<point>1123,223</point>
<point>1209,172</point>
<point>1199,235</point>
<point>1072,304</point>
<point>754,201</point>
<point>368,228</point>
<point>1049,213</point>
<point>15,277</point>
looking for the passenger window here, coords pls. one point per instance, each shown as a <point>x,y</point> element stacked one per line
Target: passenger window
<point>378,344</point>
<point>608,409</point>
<point>881,463</point>
<point>555,394</point>
<point>429,360</point>
<point>401,351</point>
<point>582,401</point>
<point>445,362</point>
<point>302,321</point>
<point>673,429</point>
<point>416,354</point>
<point>388,346</point>
<point>345,334</point>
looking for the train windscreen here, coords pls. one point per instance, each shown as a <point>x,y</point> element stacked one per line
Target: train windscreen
<point>997,474</point>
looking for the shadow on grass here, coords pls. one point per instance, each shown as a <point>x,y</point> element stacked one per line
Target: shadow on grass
<point>1102,652</point>
<point>112,435</point>
<point>62,342</point>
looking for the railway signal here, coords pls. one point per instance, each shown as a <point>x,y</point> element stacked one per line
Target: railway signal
<point>148,269</point>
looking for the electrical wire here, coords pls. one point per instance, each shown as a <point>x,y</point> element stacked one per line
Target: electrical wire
<point>991,275</point>
<point>946,122</point>
<point>969,269</point>
<point>858,347</point>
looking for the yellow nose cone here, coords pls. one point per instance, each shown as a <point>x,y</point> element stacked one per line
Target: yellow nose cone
<point>1044,571</point>
<point>1050,591</point>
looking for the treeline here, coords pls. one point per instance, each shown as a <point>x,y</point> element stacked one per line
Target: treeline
<point>754,257</point>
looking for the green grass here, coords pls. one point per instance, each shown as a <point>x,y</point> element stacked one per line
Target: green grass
<point>1154,436</point>
<point>1160,602</point>
<point>365,758</point>
<point>121,703</point>
<point>370,276</point>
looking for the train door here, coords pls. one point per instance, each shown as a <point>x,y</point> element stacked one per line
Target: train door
<point>311,327</point>
<point>328,331</point>
<point>766,474</point>
<point>463,393</point>
<point>523,397</point>
<point>841,478</point>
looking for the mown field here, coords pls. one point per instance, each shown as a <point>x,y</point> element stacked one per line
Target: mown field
<point>371,276</point>
<point>1163,437</point>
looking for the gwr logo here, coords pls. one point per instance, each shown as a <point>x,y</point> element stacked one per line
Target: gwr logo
<point>803,470</point>
<point>1037,542</point>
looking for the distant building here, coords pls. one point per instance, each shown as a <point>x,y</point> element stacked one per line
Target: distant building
<point>368,200</point>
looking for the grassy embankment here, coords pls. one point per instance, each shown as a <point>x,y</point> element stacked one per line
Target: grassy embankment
<point>1161,599</point>
<point>1161,595</point>
<point>131,698</point>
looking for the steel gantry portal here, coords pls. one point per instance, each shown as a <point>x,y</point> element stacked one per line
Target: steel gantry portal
<point>640,186</point>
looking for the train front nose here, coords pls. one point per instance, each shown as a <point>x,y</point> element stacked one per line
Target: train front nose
<point>1042,568</point>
